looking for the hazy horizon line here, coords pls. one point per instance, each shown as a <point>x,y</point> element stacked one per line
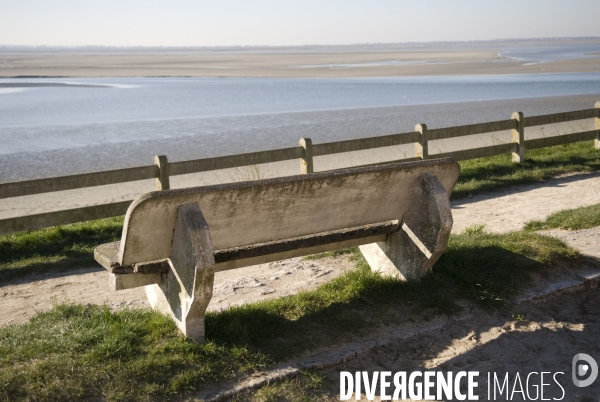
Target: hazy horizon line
<point>124,47</point>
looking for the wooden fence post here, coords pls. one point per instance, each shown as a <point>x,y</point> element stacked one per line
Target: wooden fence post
<point>518,137</point>
<point>162,182</point>
<point>597,121</point>
<point>306,163</point>
<point>421,147</point>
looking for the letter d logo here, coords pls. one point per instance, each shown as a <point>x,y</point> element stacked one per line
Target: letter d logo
<point>584,369</point>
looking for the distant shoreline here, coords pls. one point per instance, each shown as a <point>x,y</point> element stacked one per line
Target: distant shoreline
<point>457,69</point>
<point>499,41</point>
<point>350,61</point>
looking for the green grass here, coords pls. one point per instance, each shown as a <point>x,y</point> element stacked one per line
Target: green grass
<point>570,219</point>
<point>83,351</point>
<point>498,172</point>
<point>56,248</point>
<point>490,269</point>
<point>75,352</point>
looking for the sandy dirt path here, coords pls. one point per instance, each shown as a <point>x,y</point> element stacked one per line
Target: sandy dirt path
<point>500,211</point>
<point>22,298</point>
<point>510,209</point>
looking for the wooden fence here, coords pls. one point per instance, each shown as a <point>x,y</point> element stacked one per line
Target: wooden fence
<point>161,170</point>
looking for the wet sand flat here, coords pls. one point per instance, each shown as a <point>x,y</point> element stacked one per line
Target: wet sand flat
<point>289,62</point>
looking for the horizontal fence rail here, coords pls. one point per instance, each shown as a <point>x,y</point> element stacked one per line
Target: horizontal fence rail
<point>471,129</point>
<point>475,153</point>
<point>363,144</point>
<point>62,183</point>
<point>560,117</point>
<point>48,219</point>
<point>233,161</point>
<point>561,139</point>
<point>161,170</point>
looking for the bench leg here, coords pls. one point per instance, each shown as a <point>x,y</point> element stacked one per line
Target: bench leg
<point>411,252</point>
<point>184,292</point>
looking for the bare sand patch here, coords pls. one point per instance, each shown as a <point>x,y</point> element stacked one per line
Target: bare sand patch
<point>22,298</point>
<point>587,241</point>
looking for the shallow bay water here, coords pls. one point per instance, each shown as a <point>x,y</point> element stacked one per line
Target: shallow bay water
<point>52,127</point>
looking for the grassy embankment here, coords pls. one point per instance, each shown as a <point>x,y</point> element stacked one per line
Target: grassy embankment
<point>76,351</point>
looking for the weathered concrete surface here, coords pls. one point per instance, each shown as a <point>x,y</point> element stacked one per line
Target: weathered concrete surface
<point>107,256</point>
<point>411,252</point>
<point>299,252</point>
<point>184,293</point>
<point>130,281</point>
<point>403,207</point>
<point>281,208</point>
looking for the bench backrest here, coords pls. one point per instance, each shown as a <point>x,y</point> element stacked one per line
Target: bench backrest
<point>247,213</point>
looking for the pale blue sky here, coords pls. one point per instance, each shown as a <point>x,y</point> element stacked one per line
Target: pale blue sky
<point>288,22</point>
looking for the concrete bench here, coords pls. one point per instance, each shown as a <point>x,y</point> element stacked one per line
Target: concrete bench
<point>174,241</point>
